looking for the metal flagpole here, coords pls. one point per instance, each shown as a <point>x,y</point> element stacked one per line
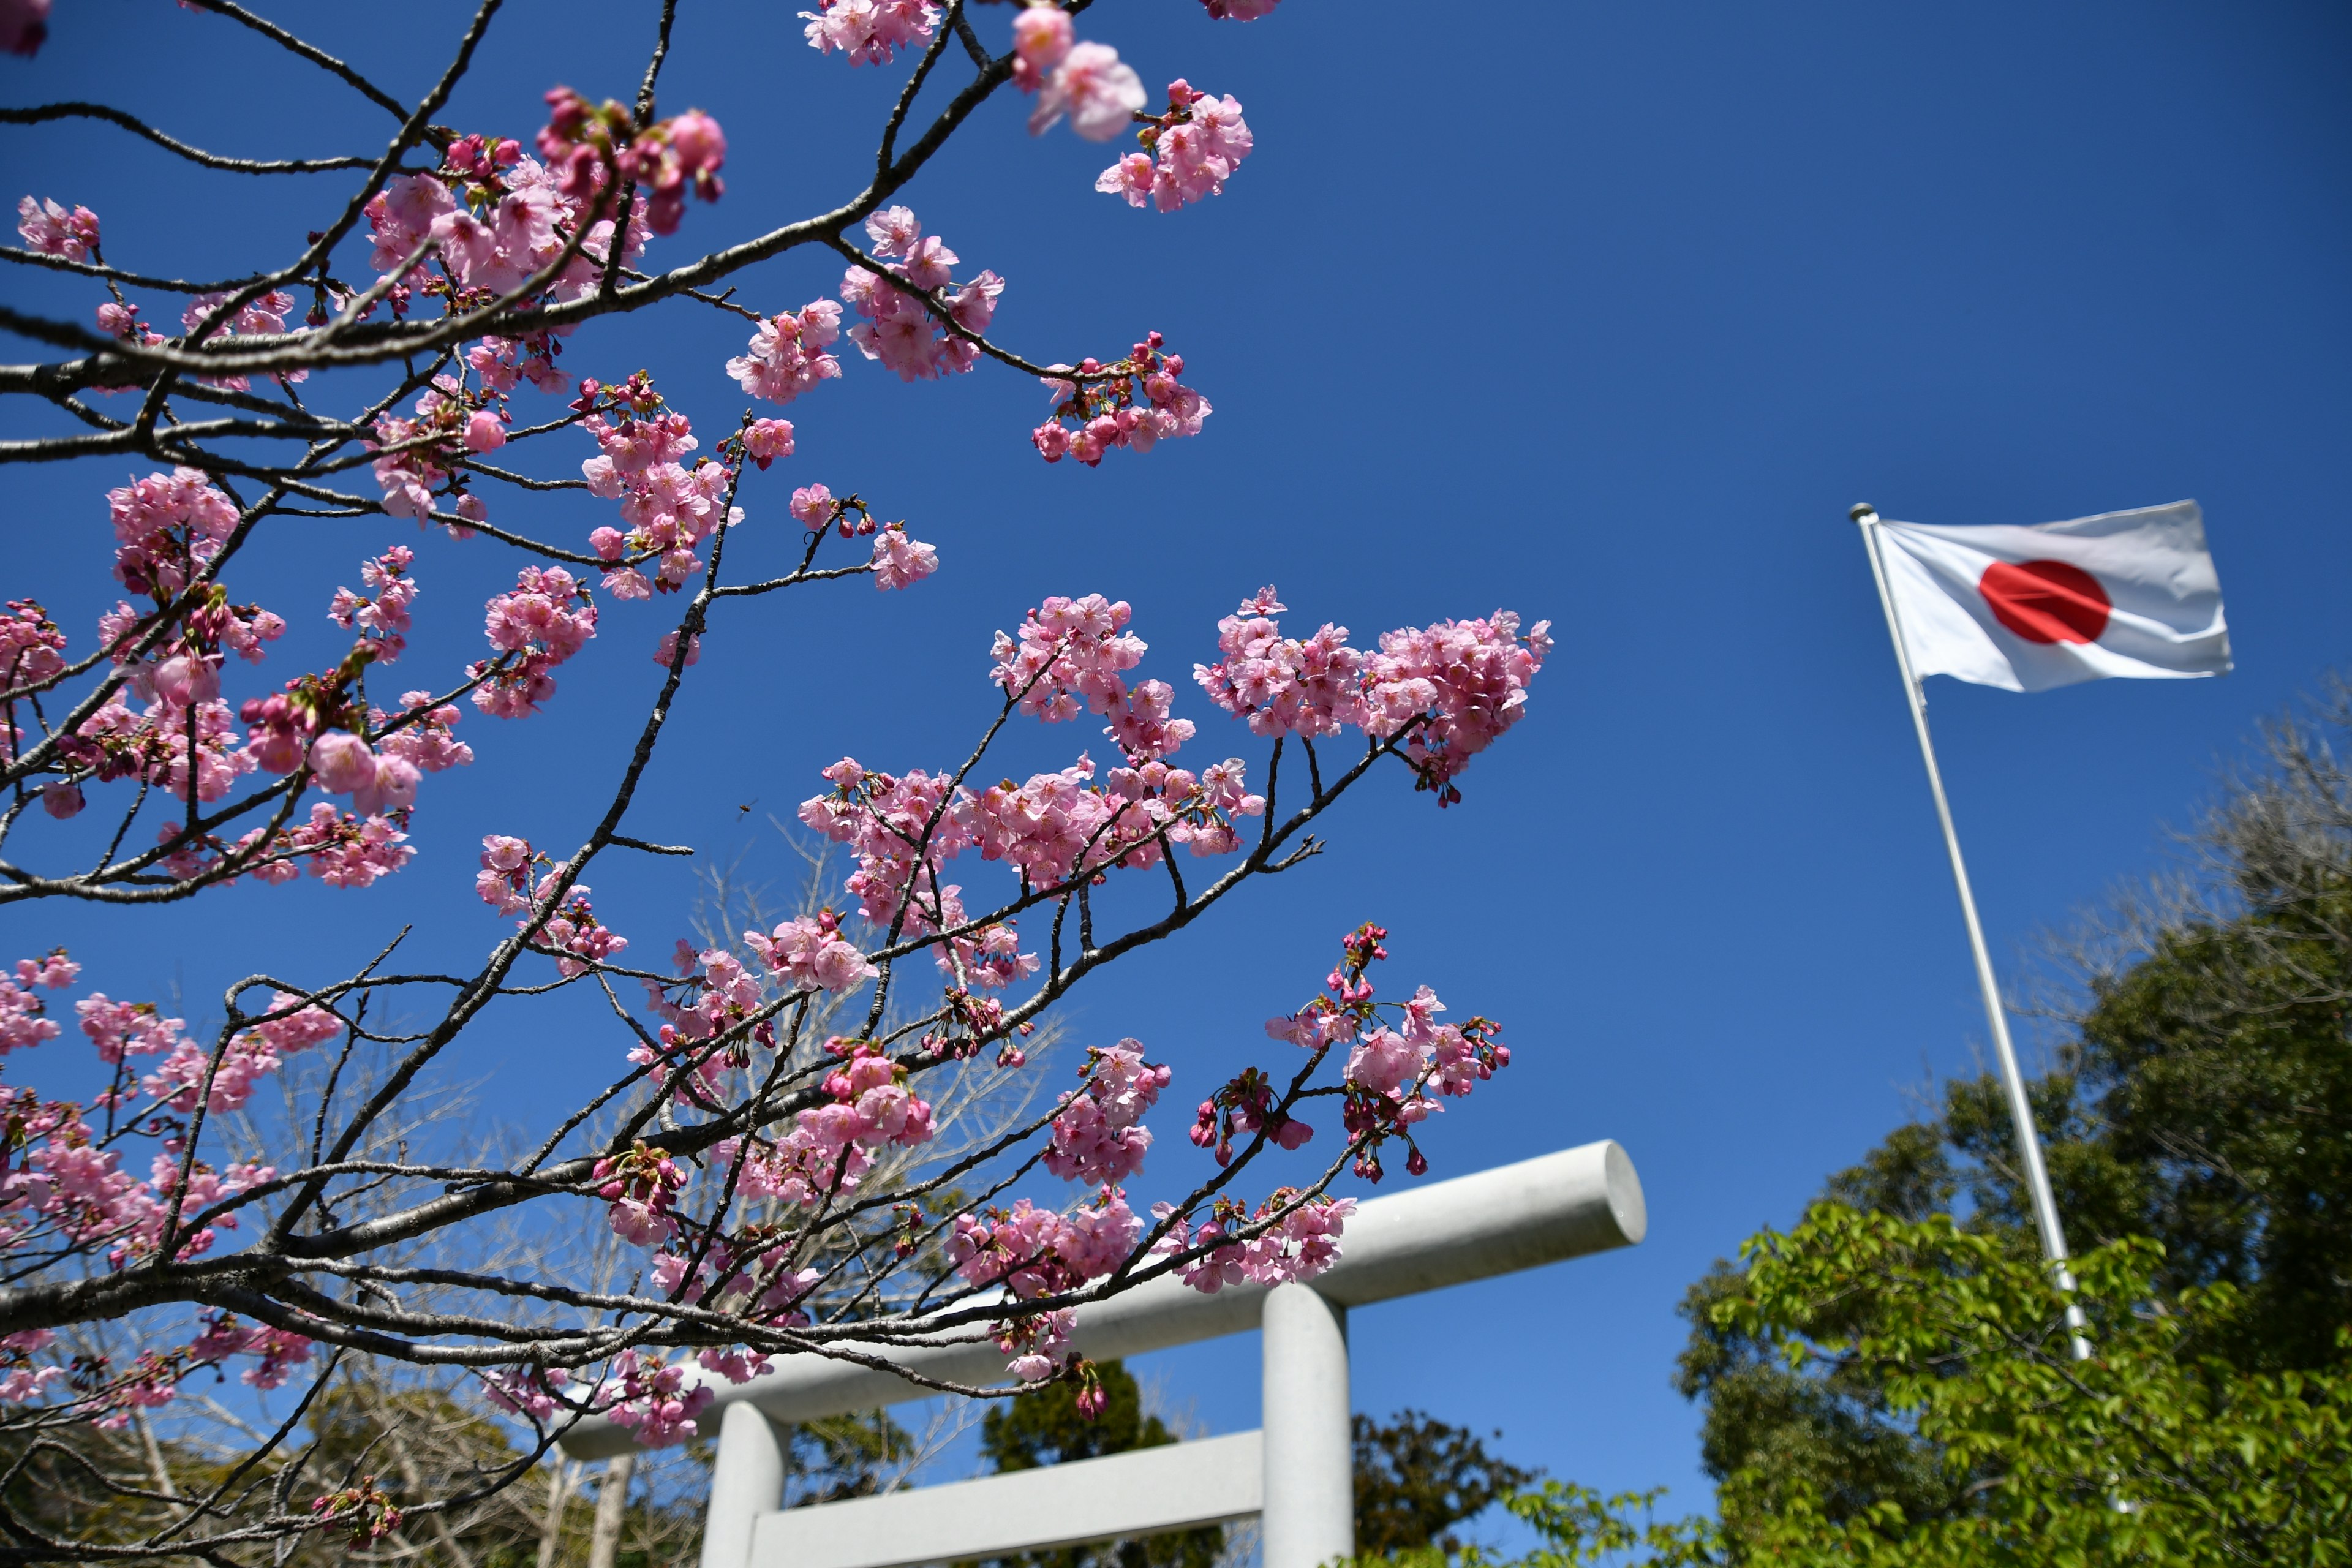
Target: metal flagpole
<point>2020,1110</point>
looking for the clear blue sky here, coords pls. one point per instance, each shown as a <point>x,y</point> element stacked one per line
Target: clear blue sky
<point>1604,314</point>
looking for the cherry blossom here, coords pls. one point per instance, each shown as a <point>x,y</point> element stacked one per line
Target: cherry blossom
<point>1041,39</point>
<point>167,527</point>
<point>785,357</point>
<point>669,509</point>
<point>31,646</point>
<point>1198,143</point>
<point>1463,682</point>
<point>765,440</point>
<point>381,616</point>
<point>50,228</point>
<point>759,1148</point>
<point>900,561</point>
<point>543,621</point>
<point>1092,86</point>
<point>897,326</point>
<point>572,929</point>
<point>809,951</point>
<point>1103,403</point>
<point>1284,686</point>
<point>1097,1136</point>
<point>870,32</point>
<point>655,1401</point>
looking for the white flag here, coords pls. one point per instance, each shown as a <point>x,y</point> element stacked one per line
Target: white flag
<point>2125,593</point>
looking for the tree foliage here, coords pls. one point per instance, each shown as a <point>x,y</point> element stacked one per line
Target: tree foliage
<point>2203,1103</point>
<point>2159,1451</point>
<point>1417,1478</point>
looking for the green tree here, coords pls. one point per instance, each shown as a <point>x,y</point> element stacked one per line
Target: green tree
<point>2204,1102</point>
<point>2159,1452</point>
<point>1417,1478</point>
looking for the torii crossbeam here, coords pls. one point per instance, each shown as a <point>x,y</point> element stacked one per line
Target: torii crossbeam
<point>1296,1473</point>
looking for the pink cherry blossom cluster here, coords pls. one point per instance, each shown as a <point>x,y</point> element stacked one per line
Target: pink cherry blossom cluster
<point>381,616</point>
<point>23,1017</point>
<point>504,364</point>
<point>1456,685</point>
<point>179,1080</point>
<point>416,457</point>
<point>51,230</point>
<point>1243,1105</point>
<point>1098,1137</point>
<point>1197,142</point>
<point>175,746</point>
<point>280,1350</point>
<point>641,1187</point>
<point>1390,1071</point>
<point>762,441</point>
<point>167,527</point>
<point>1036,1252</point>
<point>1035,1343</point>
<point>901,561</point>
<point>1069,656</point>
<point>572,929</point>
<point>810,953</point>
<point>786,357</point>
<point>504,882</point>
<point>1103,404</point>
<point>884,817</point>
<point>871,1105</point>
<point>987,957</point>
<point>32,648</point>
<point>1301,1240</point>
<point>530,1393</point>
<point>344,850</point>
<point>65,1183</point>
<point>498,219</point>
<point>655,1401</point>
<point>897,325</point>
<point>897,328</point>
<point>800,1168</point>
<point>545,619</point>
<point>1463,682</point>
<point>1284,686</point>
<point>379,785</point>
<point>870,32</point>
<point>741,1282</point>
<point>593,146</point>
<point>263,317</point>
<point>426,738</point>
<point>668,507</point>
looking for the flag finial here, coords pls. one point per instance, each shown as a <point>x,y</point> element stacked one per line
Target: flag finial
<point>1861,510</point>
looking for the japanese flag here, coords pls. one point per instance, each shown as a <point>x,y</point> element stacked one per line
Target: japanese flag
<point>2124,593</point>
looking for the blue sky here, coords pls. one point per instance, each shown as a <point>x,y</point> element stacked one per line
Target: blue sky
<point>1604,314</point>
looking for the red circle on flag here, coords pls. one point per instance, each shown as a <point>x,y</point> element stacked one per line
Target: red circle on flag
<point>2046,601</point>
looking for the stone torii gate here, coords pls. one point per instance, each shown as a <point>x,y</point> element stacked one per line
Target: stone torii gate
<point>1296,1473</point>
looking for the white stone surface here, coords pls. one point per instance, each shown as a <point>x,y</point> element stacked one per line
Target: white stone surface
<point>1310,1507</point>
<point>746,1479</point>
<point>1143,1492</point>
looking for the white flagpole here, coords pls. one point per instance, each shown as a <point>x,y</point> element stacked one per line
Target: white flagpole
<point>2020,1110</point>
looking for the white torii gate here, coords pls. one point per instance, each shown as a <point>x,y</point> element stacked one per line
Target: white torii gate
<point>1296,1473</point>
